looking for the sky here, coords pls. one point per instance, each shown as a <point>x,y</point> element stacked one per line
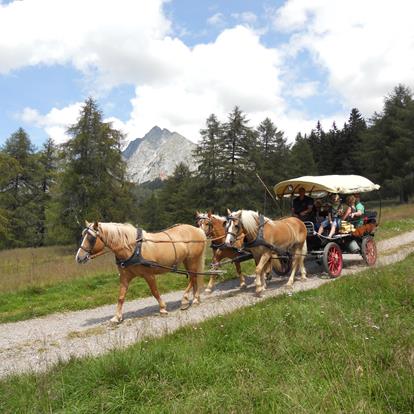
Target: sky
<point>173,63</point>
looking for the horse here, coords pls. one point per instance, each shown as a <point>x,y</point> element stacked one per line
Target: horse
<point>139,253</point>
<point>264,237</point>
<point>214,228</point>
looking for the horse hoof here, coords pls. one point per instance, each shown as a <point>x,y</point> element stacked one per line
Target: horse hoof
<point>289,286</point>
<point>115,319</point>
<point>243,286</point>
<point>259,291</point>
<point>207,291</point>
<point>163,312</point>
<point>185,306</point>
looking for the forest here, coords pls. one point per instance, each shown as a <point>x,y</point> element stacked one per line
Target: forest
<point>46,194</point>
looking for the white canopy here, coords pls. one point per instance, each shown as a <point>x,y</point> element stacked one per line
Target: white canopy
<point>343,184</point>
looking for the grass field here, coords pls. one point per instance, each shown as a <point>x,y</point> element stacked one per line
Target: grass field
<point>346,347</point>
<point>36,282</point>
<point>88,290</point>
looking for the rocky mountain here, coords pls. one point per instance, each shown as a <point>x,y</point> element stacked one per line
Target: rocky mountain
<point>157,154</point>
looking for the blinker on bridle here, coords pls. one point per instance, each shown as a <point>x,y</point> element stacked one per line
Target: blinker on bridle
<point>228,221</point>
<point>91,237</point>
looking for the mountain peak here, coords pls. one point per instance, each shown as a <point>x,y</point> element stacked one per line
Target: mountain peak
<point>157,154</point>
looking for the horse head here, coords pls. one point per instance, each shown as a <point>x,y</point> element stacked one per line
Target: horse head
<point>91,243</point>
<point>234,227</point>
<point>204,222</point>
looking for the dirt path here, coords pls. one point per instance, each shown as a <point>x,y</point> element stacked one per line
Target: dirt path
<point>37,344</point>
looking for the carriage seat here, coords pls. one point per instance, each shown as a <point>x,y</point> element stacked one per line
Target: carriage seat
<point>310,228</point>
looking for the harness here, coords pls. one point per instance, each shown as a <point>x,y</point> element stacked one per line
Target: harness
<point>136,257</point>
<point>260,241</point>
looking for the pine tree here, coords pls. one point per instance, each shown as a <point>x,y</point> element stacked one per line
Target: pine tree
<point>47,160</point>
<point>10,169</point>
<point>301,160</point>
<point>19,194</point>
<point>176,199</point>
<point>388,147</point>
<point>350,143</point>
<point>93,183</point>
<point>272,159</point>
<point>238,144</point>
<point>208,155</point>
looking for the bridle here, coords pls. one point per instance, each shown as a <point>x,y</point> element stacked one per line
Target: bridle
<point>210,228</point>
<point>92,236</point>
<point>229,220</point>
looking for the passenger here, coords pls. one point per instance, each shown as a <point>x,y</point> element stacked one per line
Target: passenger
<point>350,208</point>
<point>360,211</point>
<point>302,206</point>
<point>334,216</point>
<point>320,213</point>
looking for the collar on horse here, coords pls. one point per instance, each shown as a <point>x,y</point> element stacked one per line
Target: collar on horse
<point>260,241</point>
<point>136,257</point>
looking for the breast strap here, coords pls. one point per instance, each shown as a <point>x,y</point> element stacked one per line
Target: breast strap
<point>136,257</point>
<point>260,241</point>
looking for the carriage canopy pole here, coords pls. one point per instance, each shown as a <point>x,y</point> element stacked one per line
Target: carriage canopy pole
<point>271,195</point>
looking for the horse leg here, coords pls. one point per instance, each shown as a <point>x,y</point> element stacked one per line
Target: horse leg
<point>124,280</point>
<point>185,302</point>
<point>241,276</point>
<point>196,290</point>
<point>295,262</point>
<point>304,252</point>
<point>150,279</point>
<point>214,264</point>
<point>211,284</point>
<point>260,284</point>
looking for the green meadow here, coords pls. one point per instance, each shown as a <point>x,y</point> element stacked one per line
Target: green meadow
<point>347,347</point>
<point>37,282</point>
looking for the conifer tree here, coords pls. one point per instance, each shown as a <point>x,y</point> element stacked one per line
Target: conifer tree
<point>208,156</point>
<point>238,144</point>
<point>388,147</point>
<point>93,183</point>
<point>301,160</point>
<point>272,159</point>
<point>19,190</point>
<point>47,161</point>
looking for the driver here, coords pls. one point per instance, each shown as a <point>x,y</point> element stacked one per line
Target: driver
<point>302,206</point>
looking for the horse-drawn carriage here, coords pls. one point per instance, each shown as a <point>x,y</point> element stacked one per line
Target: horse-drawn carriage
<point>356,238</point>
<point>279,244</point>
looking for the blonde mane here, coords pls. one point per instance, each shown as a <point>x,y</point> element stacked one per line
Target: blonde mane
<point>118,235</point>
<point>250,221</point>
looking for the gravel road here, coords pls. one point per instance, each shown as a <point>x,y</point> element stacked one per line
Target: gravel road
<point>37,344</point>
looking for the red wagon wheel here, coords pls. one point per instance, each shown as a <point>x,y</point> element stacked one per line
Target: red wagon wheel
<point>332,259</point>
<point>369,250</point>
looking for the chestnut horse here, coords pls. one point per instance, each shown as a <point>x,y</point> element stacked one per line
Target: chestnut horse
<point>214,228</point>
<point>139,253</point>
<point>284,235</point>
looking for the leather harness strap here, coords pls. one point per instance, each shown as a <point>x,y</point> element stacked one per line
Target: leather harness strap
<point>260,241</point>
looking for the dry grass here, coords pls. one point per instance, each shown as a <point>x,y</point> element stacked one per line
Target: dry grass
<point>403,211</point>
<point>41,266</point>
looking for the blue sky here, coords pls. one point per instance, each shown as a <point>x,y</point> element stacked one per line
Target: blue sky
<point>173,63</point>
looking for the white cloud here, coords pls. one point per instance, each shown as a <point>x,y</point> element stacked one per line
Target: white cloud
<point>245,17</point>
<point>364,54</point>
<point>366,47</point>
<point>216,19</point>
<point>304,90</point>
<point>55,122</point>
